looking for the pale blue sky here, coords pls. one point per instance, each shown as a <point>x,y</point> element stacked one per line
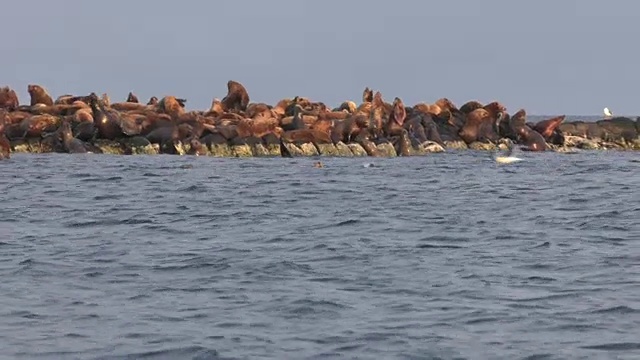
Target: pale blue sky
<point>547,56</point>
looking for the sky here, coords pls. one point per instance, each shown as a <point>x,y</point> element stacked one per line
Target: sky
<point>549,57</point>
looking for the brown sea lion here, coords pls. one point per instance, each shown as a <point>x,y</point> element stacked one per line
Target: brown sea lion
<point>479,127</point>
<point>39,95</point>
<point>132,98</point>
<point>470,106</point>
<point>5,145</point>
<point>171,106</point>
<point>367,95</point>
<point>107,123</point>
<point>8,99</point>
<point>69,143</point>
<point>37,125</point>
<point>256,128</point>
<point>550,131</point>
<point>237,97</point>
<point>532,139</point>
<point>306,136</point>
<point>152,101</point>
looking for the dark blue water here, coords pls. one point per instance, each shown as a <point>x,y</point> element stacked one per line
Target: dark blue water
<point>449,256</point>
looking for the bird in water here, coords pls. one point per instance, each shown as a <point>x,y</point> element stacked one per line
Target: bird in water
<point>607,113</point>
<point>318,164</point>
<point>507,157</point>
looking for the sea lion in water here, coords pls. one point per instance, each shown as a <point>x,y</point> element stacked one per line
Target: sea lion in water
<point>507,157</point>
<point>39,95</point>
<point>237,97</point>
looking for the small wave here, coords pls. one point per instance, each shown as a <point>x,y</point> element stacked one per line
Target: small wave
<point>614,346</point>
<point>440,246</point>
<point>191,352</point>
<point>616,310</point>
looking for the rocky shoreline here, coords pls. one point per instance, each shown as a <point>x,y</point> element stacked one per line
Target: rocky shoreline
<point>141,146</point>
<point>234,127</point>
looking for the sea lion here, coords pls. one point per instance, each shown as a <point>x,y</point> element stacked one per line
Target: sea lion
<point>306,136</point>
<point>296,123</point>
<point>171,106</point>
<point>237,97</point>
<point>69,143</point>
<point>479,126</point>
<point>532,139</point>
<point>107,123</point>
<point>37,125</point>
<point>5,145</point>
<point>367,95</point>
<point>39,95</point>
<point>132,98</point>
<point>550,131</point>
<point>152,101</point>
<point>470,106</point>
<point>8,99</point>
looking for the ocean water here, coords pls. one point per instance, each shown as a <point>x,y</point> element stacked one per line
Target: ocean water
<point>448,256</point>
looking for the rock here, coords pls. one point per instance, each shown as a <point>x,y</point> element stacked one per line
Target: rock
<point>356,149</point>
<point>110,147</point>
<point>309,149</point>
<point>221,150</point>
<point>139,145</point>
<point>260,150</point>
<point>635,144</point>
<point>505,144</point>
<point>456,145</point>
<point>344,150</point>
<point>387,149</point>
<point>181,148</point>
<point>241,150</point>
<point>20,146</point>
<point>482,146</point>
<point>581,143</point>
<point>327,150</point>
<point>432,147</point>
<point>293,149</point>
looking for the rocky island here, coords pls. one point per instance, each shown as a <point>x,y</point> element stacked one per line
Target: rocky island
<point>298,126</point>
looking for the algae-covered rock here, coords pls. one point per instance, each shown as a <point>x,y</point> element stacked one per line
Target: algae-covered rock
<point>181,148</point>
<point>456,145</point>
<point>309,149</point>
<point>432,147</point>
<point>293,149</point>
<point>482,146</point>
<point>19,146</point>
<point>344,150</point>
<point>139,145</point>
<point>242,150</point>
<point>386,149</point>
<point>260,150</point>
<point>327,150</point>
<point>581,143</point>
<point>635,144</point>
<point>221,150</point>
<point>110,147</point>
<point>356,149</point>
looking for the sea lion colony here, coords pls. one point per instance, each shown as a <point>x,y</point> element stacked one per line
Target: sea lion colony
<point>234,126</point>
